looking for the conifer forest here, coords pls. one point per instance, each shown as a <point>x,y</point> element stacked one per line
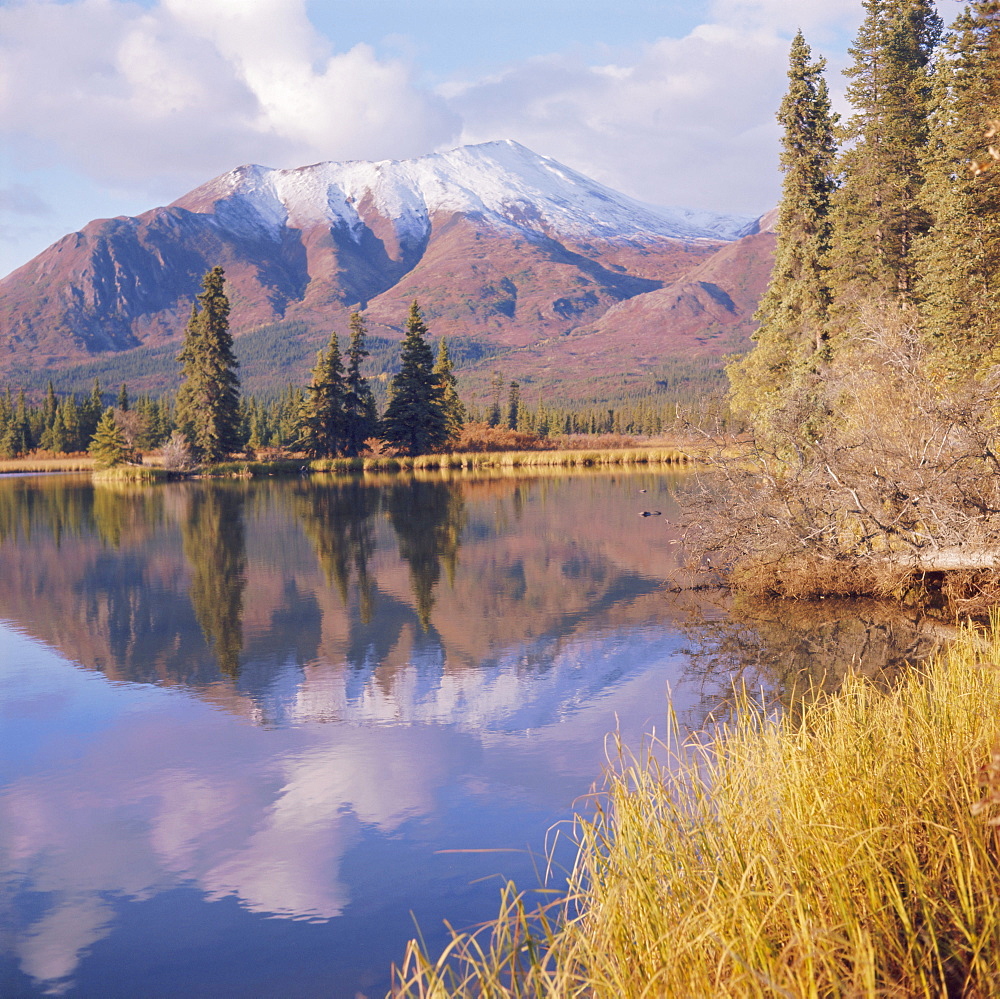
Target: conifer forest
<point>870,390</point>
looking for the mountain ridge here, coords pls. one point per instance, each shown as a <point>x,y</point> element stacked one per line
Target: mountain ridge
<point>497,243</point>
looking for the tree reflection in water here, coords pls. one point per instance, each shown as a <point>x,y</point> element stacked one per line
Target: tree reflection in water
<point>428,518</point>
<point>214,538</point>
<point>790,651</point>
<point>338,518</point>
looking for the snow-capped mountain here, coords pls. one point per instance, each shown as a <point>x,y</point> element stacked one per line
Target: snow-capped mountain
<point>499,182</point>
<point>506,248</point>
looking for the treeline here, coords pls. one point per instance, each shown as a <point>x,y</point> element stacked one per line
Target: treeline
<point>336,414</point>
<point>891,211</point>
<point>871,390</point>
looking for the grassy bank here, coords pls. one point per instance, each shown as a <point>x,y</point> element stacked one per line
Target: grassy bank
<point>131,473</point>
<point>471,461</point>
<point>62,463</point>
<point>244,468</point>
<point>510,459</point>
<point>834,853</point>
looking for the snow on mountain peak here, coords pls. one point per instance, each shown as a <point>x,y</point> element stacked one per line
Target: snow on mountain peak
<point>500,181</point>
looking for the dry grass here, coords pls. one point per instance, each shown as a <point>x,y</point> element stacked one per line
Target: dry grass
<point>835,853</point>
<point>45,463</point>
<point>140,474</point>
<point>505,459</point>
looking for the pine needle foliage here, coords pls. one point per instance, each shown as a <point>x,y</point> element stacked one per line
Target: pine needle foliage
<point>209,397</point>
<point>878,211</point>
<point>959,257</point>
<point>109,446</point>
<point>454,411</point>
<point>361,414</point>
<point>324,420</point>
<point>791,338</point>
<point>415,420</point>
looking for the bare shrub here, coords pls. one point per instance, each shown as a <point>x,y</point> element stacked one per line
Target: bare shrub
<point>378,448</point>
<point>899,483</point>
<point>132,424</point>
<point>176,454</point>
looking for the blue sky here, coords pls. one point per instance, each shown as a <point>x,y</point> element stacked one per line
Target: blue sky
<point>111,107</point>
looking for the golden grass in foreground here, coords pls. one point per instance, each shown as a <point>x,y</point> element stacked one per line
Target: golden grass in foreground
<point>834,854</point>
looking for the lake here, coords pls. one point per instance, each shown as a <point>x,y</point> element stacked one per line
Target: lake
<point>255,734</point>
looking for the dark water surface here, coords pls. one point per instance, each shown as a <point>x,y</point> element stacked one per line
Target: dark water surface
<point>251,732</point>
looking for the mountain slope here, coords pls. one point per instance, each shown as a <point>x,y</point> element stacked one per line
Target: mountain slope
<point>497,243</point>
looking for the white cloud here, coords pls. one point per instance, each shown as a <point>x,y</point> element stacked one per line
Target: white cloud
<point>190,88</point>
<point>687,122</point>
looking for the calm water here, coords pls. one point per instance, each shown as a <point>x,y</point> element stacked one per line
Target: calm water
<point>251,734</point>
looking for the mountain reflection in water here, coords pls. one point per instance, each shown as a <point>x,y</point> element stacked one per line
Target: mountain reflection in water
<point>247,726</point>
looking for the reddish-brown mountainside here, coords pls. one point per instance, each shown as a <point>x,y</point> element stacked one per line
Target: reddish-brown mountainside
<point>543,266</point>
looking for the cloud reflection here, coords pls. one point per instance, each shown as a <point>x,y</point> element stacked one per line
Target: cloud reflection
<point>180,794</point>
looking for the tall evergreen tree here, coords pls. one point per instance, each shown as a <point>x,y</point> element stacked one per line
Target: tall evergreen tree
<point>414,420</point>
<point>959,283</point>
<point>323,421</point>
<point>792,315</point>
<point>109,446</point>
<point>454,412</point>
<point>497,383</point>
<point>90,412</point>
<point>877,209</point>
<point>360,412</point>
<point>513,405</point>
<point>17,440</point>
<point>208,400</point>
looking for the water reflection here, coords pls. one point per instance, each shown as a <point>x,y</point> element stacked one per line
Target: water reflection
<point>214,541</point>
<point>257,707</point>
<point>795,649</point>
<point>428,518</point>
<point>338,520</point>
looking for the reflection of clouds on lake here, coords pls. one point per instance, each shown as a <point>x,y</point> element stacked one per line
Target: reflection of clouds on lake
<point>51,948</point>
<point>174,792</point>
<point>165,790</point>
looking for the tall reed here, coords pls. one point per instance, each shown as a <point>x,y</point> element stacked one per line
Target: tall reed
<point>833,853</point>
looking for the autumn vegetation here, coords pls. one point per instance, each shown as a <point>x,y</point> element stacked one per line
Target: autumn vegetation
<point>846,845</point>
<point>870,391</point>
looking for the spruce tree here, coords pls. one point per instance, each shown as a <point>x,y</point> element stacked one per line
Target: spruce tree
<point>323,420</point>
<point>513,405</point>
<point>17,440</point>
<point>58,438</point>
<point>454,412</point>
<point>959,284</point>
<point>878,213</point>
<point>208,399</point>
<point>360,412</point>
<point>415,420</point>
<point>109,447</point>
<point>792,334</point>
<point>497,383</point>
<point>90,412</point>
<point>71,425</point>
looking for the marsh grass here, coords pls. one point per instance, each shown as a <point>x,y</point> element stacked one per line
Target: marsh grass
<point>506,459</point>
<point>62,463</point>
<point>830,853</point>
<point>130,473</point>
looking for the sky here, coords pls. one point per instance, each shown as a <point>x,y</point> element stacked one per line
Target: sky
<point>112,107</point>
